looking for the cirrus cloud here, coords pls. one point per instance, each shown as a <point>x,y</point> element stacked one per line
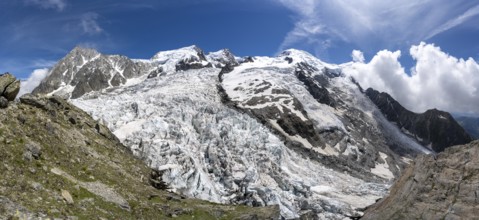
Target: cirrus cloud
<point>374,24</point>
<point>438,80</point>
<point>48,4</point>
<point>89,23</point>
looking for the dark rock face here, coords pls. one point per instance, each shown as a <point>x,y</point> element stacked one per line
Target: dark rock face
<point>470,124</point>
<point>193,62</point>
<point>226,59</point>
<point>64,70</point>
<point>87,81</point>
<point>87,70</point>
<point>9,86</point>
<point>319,92</point>
<point>433,127</point>
<point>155,73</point>
<point>248,59</point>
<point>435,187</point>
<point>117,80</point>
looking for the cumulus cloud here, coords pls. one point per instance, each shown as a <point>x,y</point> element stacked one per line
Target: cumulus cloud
<point>357,56</point>
<point>438,80</point>
<point>374,24</point>
<point>48,4</point>
<point>89,23</point>
<point>33,81</point>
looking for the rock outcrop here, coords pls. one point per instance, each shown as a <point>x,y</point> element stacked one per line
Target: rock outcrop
<point>9,88</point>
<point>433,128</point>
<point>57,162</point>
<point>442,186</point>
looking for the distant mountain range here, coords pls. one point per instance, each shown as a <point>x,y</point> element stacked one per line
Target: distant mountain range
<point>470,124</point>
<point>290,130</point>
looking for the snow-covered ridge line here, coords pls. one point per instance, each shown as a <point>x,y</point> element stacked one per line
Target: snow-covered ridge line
<point>85,70</point>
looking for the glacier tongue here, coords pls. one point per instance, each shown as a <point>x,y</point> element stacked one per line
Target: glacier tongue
<point>209,151</point>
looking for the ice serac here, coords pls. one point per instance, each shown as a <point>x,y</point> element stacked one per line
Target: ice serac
<point>442,186</point>
<point>433,128</point>
<point>288,130</point>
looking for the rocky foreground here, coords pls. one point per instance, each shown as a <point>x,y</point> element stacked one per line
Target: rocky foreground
<point>444,186</point>
<point>57,162</point>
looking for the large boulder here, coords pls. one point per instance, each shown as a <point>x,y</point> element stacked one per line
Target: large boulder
<point>12,90</point>
<point>5,80</point>
<point>9,86</point>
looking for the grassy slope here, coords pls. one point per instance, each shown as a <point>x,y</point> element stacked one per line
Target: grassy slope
<point>82,157</point>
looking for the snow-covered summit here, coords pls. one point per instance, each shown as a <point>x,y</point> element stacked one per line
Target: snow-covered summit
<point>298,56</point>
<point>171,59</point>
<point>178,54</point>
<point>222,58</point>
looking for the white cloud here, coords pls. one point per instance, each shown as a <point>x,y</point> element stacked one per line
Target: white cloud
<point>357,56</point>
<point>48,4</point>
<point>438,80</point>
<point>33,81</point>
<point>89,24</point>
<point>374,24</point>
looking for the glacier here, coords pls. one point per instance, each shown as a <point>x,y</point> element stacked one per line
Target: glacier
<point>240,152</point>
<point>212,152</point>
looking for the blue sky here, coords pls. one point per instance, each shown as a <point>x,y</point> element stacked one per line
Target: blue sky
<point>36,33</point>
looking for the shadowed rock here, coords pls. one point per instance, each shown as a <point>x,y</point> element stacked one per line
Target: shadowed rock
<point>433,127</point>
<point>442,186</point>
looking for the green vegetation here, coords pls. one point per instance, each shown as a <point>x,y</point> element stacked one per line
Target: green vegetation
<point>55,147</point>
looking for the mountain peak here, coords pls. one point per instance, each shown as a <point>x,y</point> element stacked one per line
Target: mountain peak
<point>85,51</point>
<point>298,56</point>
<point>179,53</point>
<point>222,58</point>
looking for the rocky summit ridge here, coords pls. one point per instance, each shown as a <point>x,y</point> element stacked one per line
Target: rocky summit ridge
<point>289,130</point>
<point>435,129</point>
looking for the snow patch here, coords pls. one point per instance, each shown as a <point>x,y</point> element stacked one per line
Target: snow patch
<point>382,169</point>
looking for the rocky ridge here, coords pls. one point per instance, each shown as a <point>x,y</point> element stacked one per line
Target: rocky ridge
<point>85,70</point>
<point>57,162</point>
<point>435,129</point>
<point>442,186</point>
